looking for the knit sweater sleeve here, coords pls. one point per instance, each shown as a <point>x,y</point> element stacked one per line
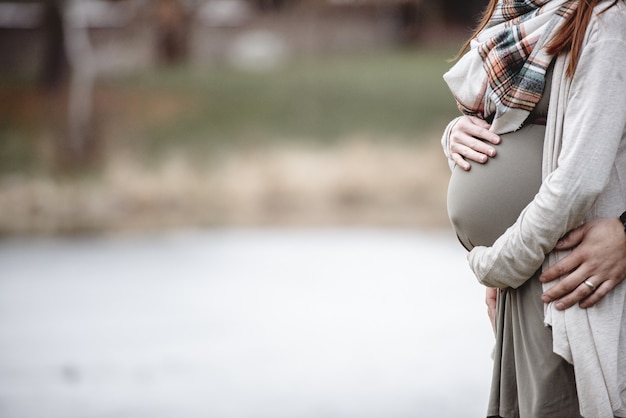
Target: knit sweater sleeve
<point>594,124</point>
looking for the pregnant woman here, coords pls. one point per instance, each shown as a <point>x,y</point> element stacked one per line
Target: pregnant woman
<point>549,78</point>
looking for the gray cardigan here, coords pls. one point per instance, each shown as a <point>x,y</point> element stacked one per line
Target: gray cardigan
<point>584,177</point>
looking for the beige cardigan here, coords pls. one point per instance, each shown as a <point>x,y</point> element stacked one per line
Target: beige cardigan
<point>584,177</point>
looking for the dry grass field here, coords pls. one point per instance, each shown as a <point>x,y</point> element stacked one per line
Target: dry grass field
<point>356,183</point>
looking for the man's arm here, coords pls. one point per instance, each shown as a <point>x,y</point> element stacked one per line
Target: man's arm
<point>598,256</point>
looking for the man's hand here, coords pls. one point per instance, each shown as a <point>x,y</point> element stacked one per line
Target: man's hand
<point>598,256</point>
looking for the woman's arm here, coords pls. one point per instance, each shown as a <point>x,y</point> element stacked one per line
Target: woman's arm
<point>594,124</point>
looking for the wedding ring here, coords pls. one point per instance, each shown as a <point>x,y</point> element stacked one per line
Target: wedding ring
<point>590,285</point>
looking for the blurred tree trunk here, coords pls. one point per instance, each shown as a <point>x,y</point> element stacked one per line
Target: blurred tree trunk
<point>411,16</point>
<point>54,63</point>
<point>80,54</point>
<point>171,30</point>
<point>67,75</point>
<point>271,5</point>
<point>466,12</point>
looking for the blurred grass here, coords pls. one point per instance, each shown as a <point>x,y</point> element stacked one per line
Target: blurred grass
<point>397,94</point>
<point>383,95</point>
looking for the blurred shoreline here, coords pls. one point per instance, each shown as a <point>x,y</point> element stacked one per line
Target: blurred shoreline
<point>357,182</point>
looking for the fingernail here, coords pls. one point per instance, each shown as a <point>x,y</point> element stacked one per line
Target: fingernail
<point>545,298</point>
<point>560,306</point>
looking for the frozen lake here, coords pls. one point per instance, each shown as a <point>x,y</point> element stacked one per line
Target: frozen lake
<point>294,323</point>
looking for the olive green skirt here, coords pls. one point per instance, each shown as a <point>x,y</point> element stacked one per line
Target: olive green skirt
<point>529,380</point>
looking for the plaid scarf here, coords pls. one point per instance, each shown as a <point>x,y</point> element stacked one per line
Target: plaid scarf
<point>502,76</point>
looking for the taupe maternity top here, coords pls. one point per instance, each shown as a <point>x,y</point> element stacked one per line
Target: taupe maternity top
<point>485,201</point>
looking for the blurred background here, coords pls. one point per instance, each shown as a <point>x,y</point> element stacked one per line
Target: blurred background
<point>232,208</point>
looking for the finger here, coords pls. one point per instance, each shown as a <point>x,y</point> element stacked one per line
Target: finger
<point>492,318</point>
<point>572,239</point>
<point>566,285</point>
<point>598,295</point>
<point>580,293</point>
<point>479,139</point>
<point>471,134</point>
<point>472,149</point>
<point>465,140</point>
<point>491,300</point>
<point>481,130</point>
<point>561,268</point>
<point>461,162</point>
<point>480,122</point>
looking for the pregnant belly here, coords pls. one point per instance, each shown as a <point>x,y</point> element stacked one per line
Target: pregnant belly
<point>485,201</point>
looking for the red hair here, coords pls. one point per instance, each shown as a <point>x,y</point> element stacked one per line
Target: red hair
<point>569,38</point>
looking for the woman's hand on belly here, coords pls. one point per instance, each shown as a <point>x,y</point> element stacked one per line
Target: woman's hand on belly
<point>470,139</point>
